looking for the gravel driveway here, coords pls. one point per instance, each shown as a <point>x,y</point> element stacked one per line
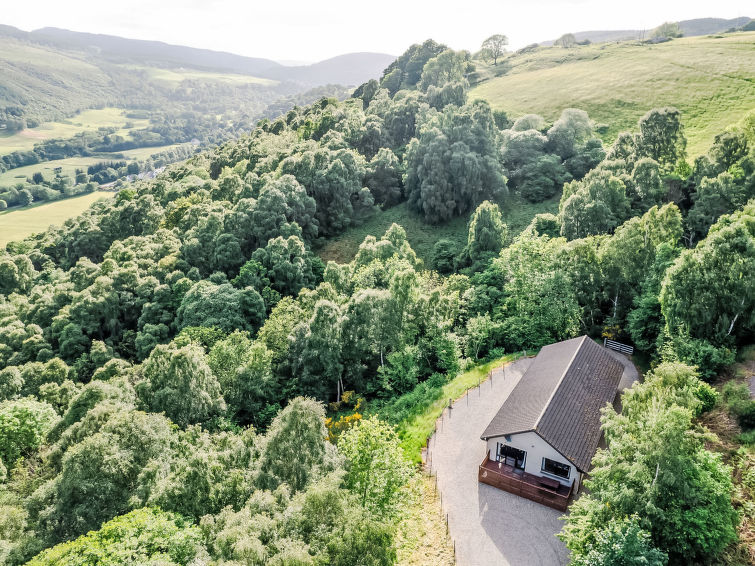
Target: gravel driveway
<point>490,526</point>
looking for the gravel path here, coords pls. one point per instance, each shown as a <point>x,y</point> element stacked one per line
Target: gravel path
<point>490,526</point>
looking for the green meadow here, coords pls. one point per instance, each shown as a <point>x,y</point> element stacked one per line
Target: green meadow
<point>85,121</point>
<point>18,223</point>
<point>711,79</point>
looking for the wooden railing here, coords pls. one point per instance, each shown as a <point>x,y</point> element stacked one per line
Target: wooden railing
<point>618,346</point>
<point>523,484</point>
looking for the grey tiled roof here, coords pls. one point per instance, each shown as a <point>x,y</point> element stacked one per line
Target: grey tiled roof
<point>560,397</point>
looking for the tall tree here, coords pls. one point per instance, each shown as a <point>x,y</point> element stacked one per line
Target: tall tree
<point>495,46</point>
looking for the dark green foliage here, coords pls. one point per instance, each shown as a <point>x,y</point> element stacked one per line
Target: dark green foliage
<point>452,168</point>
<point>221,306</point>
<point>661,137</point>
<point>444,256</point>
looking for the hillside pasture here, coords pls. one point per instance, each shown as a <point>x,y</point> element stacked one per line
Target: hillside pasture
<point>18,223</point>
<point>711,79</point>
<point>517,214</point>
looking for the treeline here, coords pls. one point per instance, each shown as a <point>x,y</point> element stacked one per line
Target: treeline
<point>154,344</point>
<point>38,188</point>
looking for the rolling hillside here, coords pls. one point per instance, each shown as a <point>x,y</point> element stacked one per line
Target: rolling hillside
<point>699,26</point>
<point>710,79</point>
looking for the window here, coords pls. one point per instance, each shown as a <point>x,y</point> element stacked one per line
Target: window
<point>511,456</point>
<point>555,468</point>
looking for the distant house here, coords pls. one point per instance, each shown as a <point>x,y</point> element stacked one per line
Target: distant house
<point>543,438</point>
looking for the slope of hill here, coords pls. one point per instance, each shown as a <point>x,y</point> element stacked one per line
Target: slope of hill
<point>709,79</point>
<point>690,28</point>
<point>349,69</point>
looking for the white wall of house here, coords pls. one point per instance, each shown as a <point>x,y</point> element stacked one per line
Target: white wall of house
<point>536,449</point>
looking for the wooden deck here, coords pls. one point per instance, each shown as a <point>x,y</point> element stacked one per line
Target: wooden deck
<point>523,484</point>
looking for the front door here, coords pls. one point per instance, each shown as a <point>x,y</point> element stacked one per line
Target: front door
<point>512,456</point>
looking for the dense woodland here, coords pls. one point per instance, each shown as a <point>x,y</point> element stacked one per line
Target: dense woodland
<point>164,357</point>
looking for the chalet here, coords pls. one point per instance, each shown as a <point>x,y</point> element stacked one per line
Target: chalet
<point>541,441</point>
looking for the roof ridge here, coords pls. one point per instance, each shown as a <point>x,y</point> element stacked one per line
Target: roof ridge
<point>558,384</point>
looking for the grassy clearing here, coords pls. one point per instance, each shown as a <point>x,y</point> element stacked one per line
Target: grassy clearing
<point>422,538</point>
<point>47,168</point>
<point>710,79</point>
<point>86,121</point>
<point>18,223</point>
<point>143,153</point>
<point>517,213</point>
<point>173,77</point>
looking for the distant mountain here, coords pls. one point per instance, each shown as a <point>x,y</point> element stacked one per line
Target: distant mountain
<point>350,69</point>
<point>705,26</point>
<point>699,26</point>
<point>120,50</point>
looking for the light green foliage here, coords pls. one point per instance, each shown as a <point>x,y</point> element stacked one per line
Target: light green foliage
<point>178,382</point>
<point>656,466</point>
<point>377,470</point>
<point>540,306</point>
<point>594,205</point>
<point>487,232</point>
<point>204,474</point>
<point>667,29</point>
<point>143,536</point>
<point>622,543</point>
<point>24,423</point>
<point>294,451</point>
<point>446,67</point>
<point>99,474</point>
<point>244,371</point>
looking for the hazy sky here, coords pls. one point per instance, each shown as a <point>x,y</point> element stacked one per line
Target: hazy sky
<point>311,30</point>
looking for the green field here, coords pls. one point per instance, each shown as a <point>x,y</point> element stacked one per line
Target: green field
<point>175,76</point>
<point>19,223</point>
<point>710,79</point>
<point>86,121</point>
<point>70,164</point>
<point>517,213</point>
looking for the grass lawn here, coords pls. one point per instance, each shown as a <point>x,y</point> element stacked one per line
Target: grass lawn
<point>88,120</point>
<point>711,79</point>
<point>517,213</point>
<point>18,223</point>
<point>419,426</point>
